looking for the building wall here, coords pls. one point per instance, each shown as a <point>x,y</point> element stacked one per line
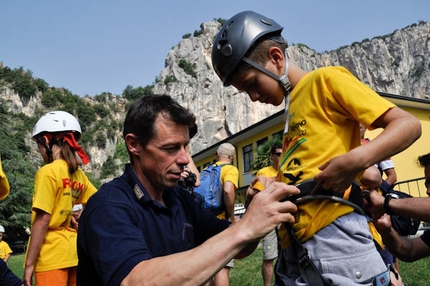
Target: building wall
<point>405,162</point>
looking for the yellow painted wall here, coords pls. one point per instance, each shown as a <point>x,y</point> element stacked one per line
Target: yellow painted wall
<point>405,162</point>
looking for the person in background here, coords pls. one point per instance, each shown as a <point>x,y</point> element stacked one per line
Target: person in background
<point>321,146</point>
<point>7,277</point>
<point>5,251</point>
<point>58,186</point>
<point>371,180</point>
<point>143,228</point>
<point>270,241</point>
<point>226,154</point>
<point>406,249</point>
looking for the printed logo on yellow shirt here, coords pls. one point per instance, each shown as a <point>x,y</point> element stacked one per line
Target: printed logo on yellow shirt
<point>76,187</point>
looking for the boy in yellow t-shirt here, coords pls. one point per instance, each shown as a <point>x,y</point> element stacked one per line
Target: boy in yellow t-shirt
<point>323,109</point>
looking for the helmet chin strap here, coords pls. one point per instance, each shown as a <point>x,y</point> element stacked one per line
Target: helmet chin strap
<point>282,80</point>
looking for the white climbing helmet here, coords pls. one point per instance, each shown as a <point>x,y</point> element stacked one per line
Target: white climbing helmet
<point>57,121</point>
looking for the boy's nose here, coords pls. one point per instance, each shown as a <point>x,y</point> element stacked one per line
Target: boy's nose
<point>253,96</point>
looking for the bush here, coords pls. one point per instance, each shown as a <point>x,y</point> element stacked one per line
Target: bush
<point>189,68</point>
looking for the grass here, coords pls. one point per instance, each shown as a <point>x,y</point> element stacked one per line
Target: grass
<point>16,263</point>
<point>247,271</point>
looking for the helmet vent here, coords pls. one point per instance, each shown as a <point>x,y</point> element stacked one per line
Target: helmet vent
<point>266,21</point>
<point>226,48</point>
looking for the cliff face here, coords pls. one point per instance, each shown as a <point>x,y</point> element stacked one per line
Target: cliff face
<point>397,63</point>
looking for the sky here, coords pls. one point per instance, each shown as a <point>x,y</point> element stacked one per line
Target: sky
<point>95,46</point>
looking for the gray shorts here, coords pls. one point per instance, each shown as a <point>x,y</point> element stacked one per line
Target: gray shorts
<point>270,246</point>
<point>343,252</point>
<point>230,264</point>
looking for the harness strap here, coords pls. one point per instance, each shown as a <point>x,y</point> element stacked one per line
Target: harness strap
<point>311,190</point>
<point>308,270</point>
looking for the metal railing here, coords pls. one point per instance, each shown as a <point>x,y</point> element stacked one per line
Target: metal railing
<point>414,187</point>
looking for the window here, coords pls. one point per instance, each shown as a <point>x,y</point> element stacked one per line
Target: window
<point>278,134</point>
<point>248,157</point>
<point>262,141</point>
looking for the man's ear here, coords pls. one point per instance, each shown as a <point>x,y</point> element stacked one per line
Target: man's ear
<point>132,143</point>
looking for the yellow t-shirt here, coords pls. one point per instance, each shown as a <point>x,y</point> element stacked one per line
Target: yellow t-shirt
<point>326,107</point>
<point>55,192</point>
<point>4,184</point>
<point>268,172</point>
<point>4,249</point>
<point>229,173</point>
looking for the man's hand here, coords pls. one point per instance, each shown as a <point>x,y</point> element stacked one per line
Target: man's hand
<point>257,185</point>
<point>266,211</point>
<point>383,224</point>
<point>373,203</point>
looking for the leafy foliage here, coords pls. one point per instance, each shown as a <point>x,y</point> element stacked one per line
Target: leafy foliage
<point>22,81</point>
<point>108,167</point>
<point>189,68</point>
<point>132,94</point>
<point>170,78</point>
<point>220,20</point>
<point>14,210</point>
<point>263,151</point>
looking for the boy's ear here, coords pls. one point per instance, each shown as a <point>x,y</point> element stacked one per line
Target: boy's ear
<point>277,56</point>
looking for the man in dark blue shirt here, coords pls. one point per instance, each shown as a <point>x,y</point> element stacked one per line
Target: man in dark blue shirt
<point>142,227</point>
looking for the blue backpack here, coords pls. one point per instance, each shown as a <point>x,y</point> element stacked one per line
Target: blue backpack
<point>210,192</point>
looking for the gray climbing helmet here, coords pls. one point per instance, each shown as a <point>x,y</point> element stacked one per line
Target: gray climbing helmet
<point>235,39</point>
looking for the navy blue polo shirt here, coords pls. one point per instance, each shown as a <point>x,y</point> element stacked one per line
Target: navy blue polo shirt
<point>121,226</point>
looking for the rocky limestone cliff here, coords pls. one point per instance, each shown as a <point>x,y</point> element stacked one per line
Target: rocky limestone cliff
<point>397,63</point>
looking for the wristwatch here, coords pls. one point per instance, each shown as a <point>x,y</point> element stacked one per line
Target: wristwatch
<point>387,208</point>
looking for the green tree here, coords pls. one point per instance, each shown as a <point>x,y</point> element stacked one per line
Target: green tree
<point>15,209</point>
<point>189,68</point>
<point>108,168</point>
<point>132,94</point>
<point>263,151</point>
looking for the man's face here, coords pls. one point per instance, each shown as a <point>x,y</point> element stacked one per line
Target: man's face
<point>259,86</point>
<point>275,157</point>
<point>427,178</point>
<point>162,160</point>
